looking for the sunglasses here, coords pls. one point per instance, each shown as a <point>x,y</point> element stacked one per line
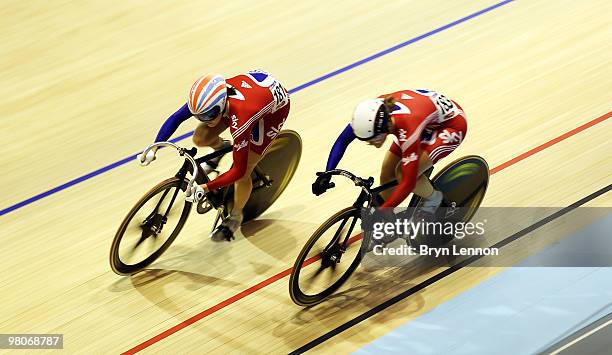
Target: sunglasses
<point>210,115</point>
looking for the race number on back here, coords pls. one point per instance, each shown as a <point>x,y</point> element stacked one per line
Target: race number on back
<point>279,94</point>
<point>446,108</point>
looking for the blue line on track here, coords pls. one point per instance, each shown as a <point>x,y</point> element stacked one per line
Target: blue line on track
<point>294,90</point>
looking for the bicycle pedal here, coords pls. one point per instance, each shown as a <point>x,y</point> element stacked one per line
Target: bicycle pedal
<point>269,181</point>
<point>451,210</point>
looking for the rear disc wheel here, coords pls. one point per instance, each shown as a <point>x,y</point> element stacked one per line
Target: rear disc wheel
<point>463,183</point>
<point>279,164</point>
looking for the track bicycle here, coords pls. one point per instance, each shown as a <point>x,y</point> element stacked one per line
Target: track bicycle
<point>158,217</point>
<point>336,249</point>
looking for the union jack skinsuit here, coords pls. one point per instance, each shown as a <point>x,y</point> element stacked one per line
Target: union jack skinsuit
<point>258,108</point>
<point>424,121</point>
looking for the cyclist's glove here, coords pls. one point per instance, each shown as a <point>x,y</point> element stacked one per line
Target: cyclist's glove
<point>321,184</point>
<point>145,160</point>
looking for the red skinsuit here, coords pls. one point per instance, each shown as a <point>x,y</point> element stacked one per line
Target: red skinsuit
<point>257,112</point>
<point>424,120</point>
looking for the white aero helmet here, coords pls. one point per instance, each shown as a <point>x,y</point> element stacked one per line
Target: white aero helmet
<point>370,119</point>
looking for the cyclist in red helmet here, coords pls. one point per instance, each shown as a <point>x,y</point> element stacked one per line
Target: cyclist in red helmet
<point>254,106</point>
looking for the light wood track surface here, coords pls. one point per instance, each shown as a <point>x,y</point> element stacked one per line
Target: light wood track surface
<point>85,84</point>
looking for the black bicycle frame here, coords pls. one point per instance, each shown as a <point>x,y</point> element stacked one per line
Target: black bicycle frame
<point>187,168</point>
<point>375,192</point>
<point>202,178</point>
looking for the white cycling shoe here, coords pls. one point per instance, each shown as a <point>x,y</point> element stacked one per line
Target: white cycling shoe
<point>225,231</point>
<point>430,205</point>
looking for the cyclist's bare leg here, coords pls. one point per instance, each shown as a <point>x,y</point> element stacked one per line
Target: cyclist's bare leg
<point>242,191</point>
<point>423,186</point>
<point>431,198</point>
<point>207,136</point>
<point>391,169</point>
<point>387,172</point>
<point>244,185</point>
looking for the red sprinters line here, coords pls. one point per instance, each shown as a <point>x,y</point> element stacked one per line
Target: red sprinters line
<point>209,311</point>
<point>227,302</point>
<point>311,260</point>
<point>551,142</point>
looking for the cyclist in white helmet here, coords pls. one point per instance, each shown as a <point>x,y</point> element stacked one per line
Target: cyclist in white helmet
<point>425,127</point>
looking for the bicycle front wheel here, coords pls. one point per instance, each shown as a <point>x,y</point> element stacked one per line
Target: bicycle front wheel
<point>328,259</point>
<point>149,227</point>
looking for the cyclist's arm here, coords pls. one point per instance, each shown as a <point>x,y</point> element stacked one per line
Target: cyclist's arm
<point>337,151</point>
<point>172,123</point>
<point>240,154</point>
<point>242,139</point>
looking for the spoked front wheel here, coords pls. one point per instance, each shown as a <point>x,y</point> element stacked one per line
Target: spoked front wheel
<point>150,227</point>
<point>328,259</point>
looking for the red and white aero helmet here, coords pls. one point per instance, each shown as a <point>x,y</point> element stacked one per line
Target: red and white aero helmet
<point>207,97</point>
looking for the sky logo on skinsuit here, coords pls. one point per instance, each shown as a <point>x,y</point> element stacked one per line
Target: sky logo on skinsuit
<point>274,131</point>
<point>241,145</point>
<point>451,137</point>
<point>234,122</point>
<point>407,160</point>
<point>402,135</point>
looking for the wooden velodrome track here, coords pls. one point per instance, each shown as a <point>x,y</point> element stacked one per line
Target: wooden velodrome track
<point>86,84</point>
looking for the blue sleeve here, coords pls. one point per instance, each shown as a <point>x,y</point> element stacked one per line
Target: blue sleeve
<point>172,123</point>
<point>337,151</point>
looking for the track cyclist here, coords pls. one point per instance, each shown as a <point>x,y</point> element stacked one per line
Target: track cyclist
<point>425,125</point>
<point>254,106</point>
